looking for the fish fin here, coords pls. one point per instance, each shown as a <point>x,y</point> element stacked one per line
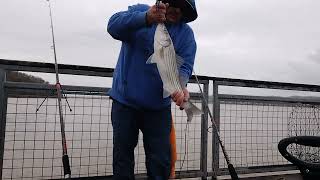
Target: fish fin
<point>191,110</point>
<point>180,61</point>
<point>151,60</point>
<point>166,93</point>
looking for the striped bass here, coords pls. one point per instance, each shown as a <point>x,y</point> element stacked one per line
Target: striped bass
<point>168,64</point>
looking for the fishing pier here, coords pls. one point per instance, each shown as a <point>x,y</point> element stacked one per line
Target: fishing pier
<point>250,125</point>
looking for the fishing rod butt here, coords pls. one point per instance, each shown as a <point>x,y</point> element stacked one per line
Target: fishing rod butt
<point>233,173</point>
<point>66,166</point>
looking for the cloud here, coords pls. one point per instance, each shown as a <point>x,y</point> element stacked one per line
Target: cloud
<point>315,55</point>
<point>262,40</point>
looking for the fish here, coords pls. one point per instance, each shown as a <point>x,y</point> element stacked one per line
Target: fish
<point>168,64</point>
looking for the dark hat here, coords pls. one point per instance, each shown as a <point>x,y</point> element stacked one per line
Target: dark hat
<point>188,8</point>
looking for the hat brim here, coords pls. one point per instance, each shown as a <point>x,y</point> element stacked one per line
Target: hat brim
<point>188,11</point>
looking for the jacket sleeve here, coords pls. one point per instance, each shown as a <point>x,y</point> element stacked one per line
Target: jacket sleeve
<point>122,24</point>
<point>188,52</point>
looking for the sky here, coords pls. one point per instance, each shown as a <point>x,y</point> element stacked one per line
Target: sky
<point>270,40</point>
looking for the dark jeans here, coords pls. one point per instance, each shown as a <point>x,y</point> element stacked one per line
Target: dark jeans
<point>155,126</point>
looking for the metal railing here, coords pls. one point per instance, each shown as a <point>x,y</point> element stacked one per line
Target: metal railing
<point>250,126</point>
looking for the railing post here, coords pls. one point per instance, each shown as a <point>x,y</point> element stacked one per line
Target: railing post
<point>215,139</point>
<point>204,133</point>
<point>3,111</point>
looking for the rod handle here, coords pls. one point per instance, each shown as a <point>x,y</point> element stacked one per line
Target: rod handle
<point>66,165</point>
<point>233,173</point>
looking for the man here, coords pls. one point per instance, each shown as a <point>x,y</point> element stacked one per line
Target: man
<point>137,95</point>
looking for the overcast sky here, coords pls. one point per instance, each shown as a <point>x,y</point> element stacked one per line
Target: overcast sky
<point>272,40</point>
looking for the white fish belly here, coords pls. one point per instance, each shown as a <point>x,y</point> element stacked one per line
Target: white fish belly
<point>168,70</point>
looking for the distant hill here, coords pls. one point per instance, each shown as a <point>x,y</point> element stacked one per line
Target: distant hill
<point>23,77</point>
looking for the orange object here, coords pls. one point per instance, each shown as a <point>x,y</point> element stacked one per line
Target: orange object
<point>173,150</point>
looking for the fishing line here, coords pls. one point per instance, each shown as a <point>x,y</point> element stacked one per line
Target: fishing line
<point>231,169</point>
<point>186,130</point>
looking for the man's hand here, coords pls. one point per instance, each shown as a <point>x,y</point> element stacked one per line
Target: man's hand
<point>180,97</point>
<point>157,14</point>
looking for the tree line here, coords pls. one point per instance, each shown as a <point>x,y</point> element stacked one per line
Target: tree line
<point>23,77</point>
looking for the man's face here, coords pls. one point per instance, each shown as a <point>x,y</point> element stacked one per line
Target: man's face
<point>173,14</point>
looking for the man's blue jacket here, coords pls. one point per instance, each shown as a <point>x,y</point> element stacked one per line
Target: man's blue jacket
<point>136,83</point>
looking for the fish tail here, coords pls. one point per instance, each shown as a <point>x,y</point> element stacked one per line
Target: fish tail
<point>191,110</point>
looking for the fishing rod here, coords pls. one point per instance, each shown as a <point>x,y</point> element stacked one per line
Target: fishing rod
<point>65,157</point>
<point>232,171</point>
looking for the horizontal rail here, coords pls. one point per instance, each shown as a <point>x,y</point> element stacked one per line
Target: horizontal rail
<point>275,99</point>
<point>260,169</point>
<point>39,90</point>
<point>269,85</point>
<point>30,89</point>
<point>14,65</point>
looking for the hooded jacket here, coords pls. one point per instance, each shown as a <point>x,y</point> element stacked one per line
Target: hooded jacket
<point>136,83</point>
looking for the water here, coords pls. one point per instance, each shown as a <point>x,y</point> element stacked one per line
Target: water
<point>250,131</point>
